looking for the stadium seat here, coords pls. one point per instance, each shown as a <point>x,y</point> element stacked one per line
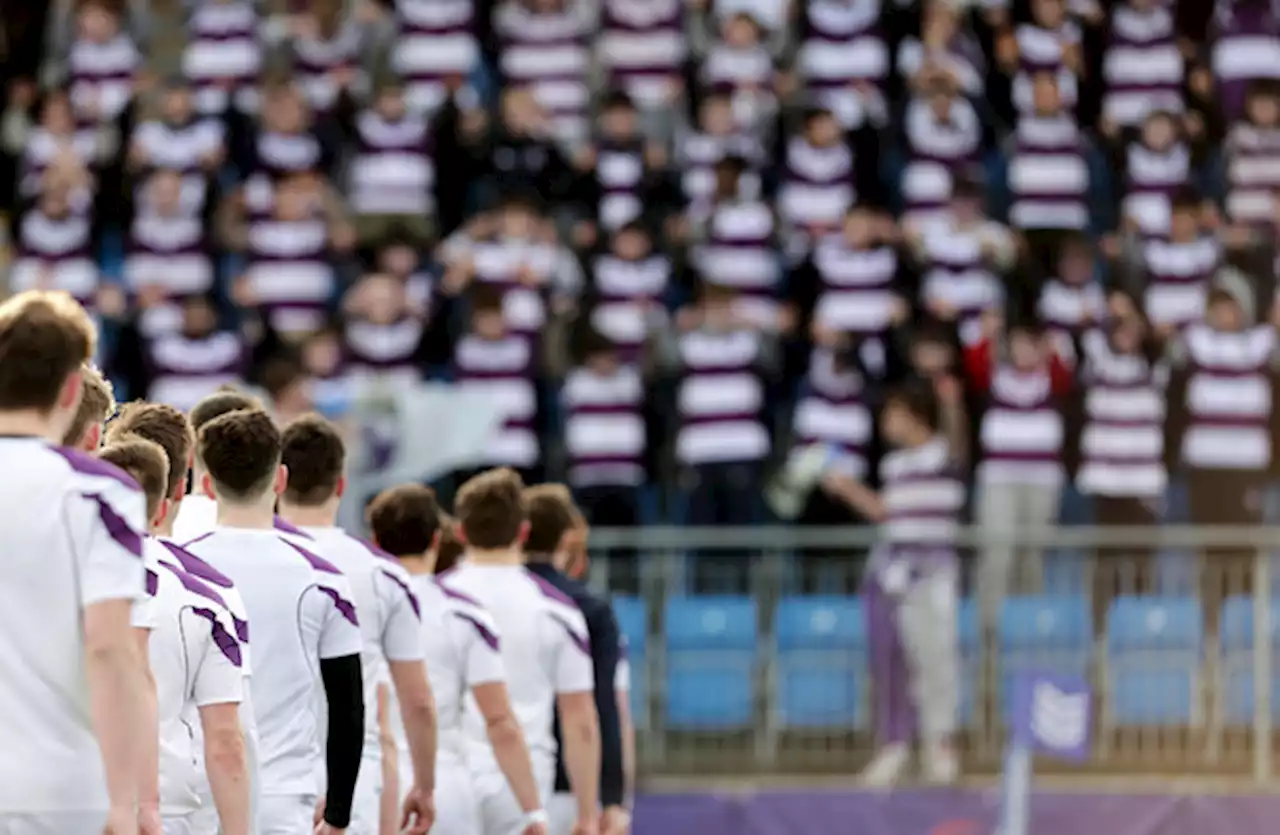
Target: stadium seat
<point>820,663</point>
<point>970,661</point>
<point>1043,634</point>
<point>711,651</point>
<point>633,623</point>
<point>1155,646</point>
<point>1235,635</point>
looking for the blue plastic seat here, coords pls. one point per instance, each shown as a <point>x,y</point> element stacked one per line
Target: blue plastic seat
<point>633,623</point>
<point>1043,634</point>
<point>1235,634</point>
<point>820,666</point>
<point>711,649</point>
<point>1155,646</point>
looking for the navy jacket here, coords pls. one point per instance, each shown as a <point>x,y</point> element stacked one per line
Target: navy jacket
<point>602,628</point>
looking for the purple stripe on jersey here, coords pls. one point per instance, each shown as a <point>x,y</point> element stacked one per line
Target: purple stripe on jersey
<point>455,594</point>
<point>376,551</point>
<point>195,566</point>
<point>318,563</point>
<point>288,527</point>
<point>578,641</point>
<point>119,529</point>
<point>486,634</point>
<point>551,591</point>
<point>82,462</point>
<point>413,598</point>
<point>194,585</point>
<point>199,538</point>
<point>153,582</point>
<point>230,646</point>
<point>345,607</point>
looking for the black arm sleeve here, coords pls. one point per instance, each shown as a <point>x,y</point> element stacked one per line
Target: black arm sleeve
<point>344,688</point>
<point>603,629</point>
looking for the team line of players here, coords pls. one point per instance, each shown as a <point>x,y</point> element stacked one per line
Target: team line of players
<point>178,659</point>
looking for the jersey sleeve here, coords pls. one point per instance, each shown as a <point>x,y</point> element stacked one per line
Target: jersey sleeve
<point>340,626</point>
<point>109,558</point>
<point>218,677</point>
<point>143,615</point>
<point>479,647</point>
<point>571,648</point>
<point>402,630</point>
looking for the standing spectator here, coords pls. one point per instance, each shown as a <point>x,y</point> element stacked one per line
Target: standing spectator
<point>1143,68</point>
<point>627,169</point>
<point>1157,163</point>
<point>223,56</point>
<point>819,182</point>
<point>54,247</point>
<point>628,282</point>
<point>606,434</point>
<point>181,140</point>
<point>944,56</point>
<point>943,137</point>
<point>738,64</point>
<point>1121,446</point>
<point>1221,428</point>
<point>716,138</point>
<point>325,51</point>
<point>1049,43</point>
<point>545,47</point>
<point>1246,47</point>
<point>1253,158</point>
<point>55,141</point>
<point>382,338</point>
<point>1176,273</point>
<point>1071,302</point>
<point>843,60</point>
<point>520,152</point>
<point>491,359</point>
<point>435,50</point>
<point>642,50</point>
<point>1022,384</point>
<point>285,141</point>
<point>101,65</point>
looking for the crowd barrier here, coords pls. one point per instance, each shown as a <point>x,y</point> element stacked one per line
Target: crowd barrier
<point>749,647</point>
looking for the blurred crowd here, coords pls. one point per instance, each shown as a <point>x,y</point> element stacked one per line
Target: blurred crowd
<point>678,238</point>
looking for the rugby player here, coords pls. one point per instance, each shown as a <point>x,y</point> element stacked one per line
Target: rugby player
<point>97,403</point>
<point>195,660</point>
<point>70,573</point>
<point>315,458</point>
<point>463,657</point>
<point>304,624</point>
<point>555,525</point>
<point>545,653</point>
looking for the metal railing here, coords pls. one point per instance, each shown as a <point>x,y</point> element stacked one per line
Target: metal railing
<point>1199,702</point>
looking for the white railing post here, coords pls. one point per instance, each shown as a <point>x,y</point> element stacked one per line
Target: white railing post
<point>1262,615</point>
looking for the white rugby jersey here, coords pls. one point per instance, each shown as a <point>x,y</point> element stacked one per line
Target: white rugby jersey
<point>545,652</point>
<point>461,645</point>
<point>197,515</point>
<point>301,611</point>
<point>195,659</point>
<point>389,614</point>
<point>74,539</point>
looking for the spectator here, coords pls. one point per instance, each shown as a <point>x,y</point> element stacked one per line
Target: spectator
<point>819,182</point>
<point>1157,164</point>
<point>521,153</point>
<point>628,283</point>
<point>642,49</point>
<point>944,56</point>
<point>716,138</point>
<point>1143,68</point>
<point>943,137</point>
<point>1071,303</point>
<point>1023,386</point>
<point>435,52</point>
<point>628,182</point>
<point>843,60</point>
<point>325,51</point>
<point>738,65</point>
<point>1253,158</point>
<point>1175,274</point>
<point>1246,47</point>
<point>56,140</point>
<point>382,338</point>
<point>101,65</point>
<point>1050,43</point>
<point>180,140</point>
<point>223,56</point>
<point>54,240</point>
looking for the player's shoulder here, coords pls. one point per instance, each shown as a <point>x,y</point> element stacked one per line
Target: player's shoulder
<point>194,589</point>
<point>81,469</point>
<point>190,563</point>
<point>551,594</point>
<point>307,554</point>
<point>286,527</point>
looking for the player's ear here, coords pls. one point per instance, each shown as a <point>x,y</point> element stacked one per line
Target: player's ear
<point>460,533</point>
<point>435,541</point>
<point>93,438</point>
<point>282,480</point>
<point>162,512</point>
<point>342,486</point>
<point>206,486</point>
<point>523,536</point>
<point>69,396</point>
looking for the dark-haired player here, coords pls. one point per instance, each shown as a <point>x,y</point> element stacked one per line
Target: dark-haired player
<point>912,585</point>
<point>463,656</point>
<point>70,574</point>
<point>304,621</point>
<point>545,651</point>
<point>314,457</point>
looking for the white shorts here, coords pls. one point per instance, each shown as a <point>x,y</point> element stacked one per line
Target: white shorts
<point>366,805</point>
<point>181,824</point>
<point>52,823</point>
<point>457,810</point>
<point>203,821</point>
<point>286,814</point>
<point>562,811</point>
<point>500,812</point>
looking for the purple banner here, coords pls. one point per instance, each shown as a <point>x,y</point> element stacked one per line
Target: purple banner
<point>950,812</point>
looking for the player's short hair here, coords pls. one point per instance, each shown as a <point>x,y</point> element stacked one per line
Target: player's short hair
<point>45,337</point>
<point>221,402</point>
<point>97,403</point>
<point>490,508</point>
<point>162,425</point>
<point>146,462</point>
<point>313,452</point>
<point>551,514</point>
<point>405,519</point>
<point>451,548</point>
<point>240,451</point>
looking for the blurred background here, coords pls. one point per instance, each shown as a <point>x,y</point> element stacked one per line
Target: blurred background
<point>670,242</point>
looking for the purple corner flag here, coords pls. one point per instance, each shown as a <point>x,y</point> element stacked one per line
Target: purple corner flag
<point>1051,714</point>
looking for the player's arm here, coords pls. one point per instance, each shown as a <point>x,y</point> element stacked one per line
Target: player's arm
<point>109,561</point>
<point>604,638</point>
<point>402,646</point>
<point>626,725</point>
<point>217,692</point>
<point>579,725</point>
<point>389,802</point>
<point>340,645</point>
<point>477,639</point>
<point>144,620</point>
